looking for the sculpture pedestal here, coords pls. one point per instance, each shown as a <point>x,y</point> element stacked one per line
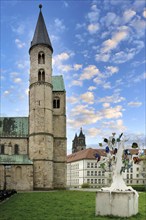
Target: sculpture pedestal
<point>116,203</point>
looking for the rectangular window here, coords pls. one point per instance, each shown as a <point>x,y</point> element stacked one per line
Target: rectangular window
<point>99,181</point>
<point>137,168</point>
<point>2,149</point>
<point>91,165</point>
<point>95,165</point>
<point>91,173</point>
<point>131,176</point>
<point>99,173</point>
<point>88,180</point>
<point>88,165</point>
<point>137,175</point>
<point>103,181</point>
<point>91,180</point>
<point>95,181</point>
<point>88,173</point>
<point>56,103</point>
<point>95,173</point>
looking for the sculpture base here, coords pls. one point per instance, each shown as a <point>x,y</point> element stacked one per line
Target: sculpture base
<point>116,203</point>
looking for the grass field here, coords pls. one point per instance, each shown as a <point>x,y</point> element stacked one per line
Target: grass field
<point>59,205</point>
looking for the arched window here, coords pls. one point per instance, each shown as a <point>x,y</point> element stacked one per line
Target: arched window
<point>56,102</point>
<point>41,58</point>
<point>16,149</point>
<point>18,172</point>
<point>2,149</point>
<point>41,75</point>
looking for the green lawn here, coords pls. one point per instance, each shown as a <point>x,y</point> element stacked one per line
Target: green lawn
<point>59,205</point>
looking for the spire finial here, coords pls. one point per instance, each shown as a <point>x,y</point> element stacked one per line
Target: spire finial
<point>40,6</point>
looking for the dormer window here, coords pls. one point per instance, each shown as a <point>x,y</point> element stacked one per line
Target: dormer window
<point>41,58</point>
<point>41,75</point>
<point>56,102</point>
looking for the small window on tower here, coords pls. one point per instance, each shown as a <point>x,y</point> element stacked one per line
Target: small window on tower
<point>16,149</point>
<point>41,75</point>
<point>56,103</point>
<point>2,149</point>
<point>41,58</point>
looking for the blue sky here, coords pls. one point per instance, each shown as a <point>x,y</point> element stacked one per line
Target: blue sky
<point>99,48</point>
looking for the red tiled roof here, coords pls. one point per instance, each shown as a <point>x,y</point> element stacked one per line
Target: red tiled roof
<point>89,154</point>
<point>85,154</point>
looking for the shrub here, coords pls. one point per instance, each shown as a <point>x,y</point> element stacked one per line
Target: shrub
<point>85,185</point>
<point>140,188</point>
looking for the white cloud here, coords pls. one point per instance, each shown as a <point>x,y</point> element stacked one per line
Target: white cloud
<point>144,13</point>
<point>72,100</point>
<point>19,29</point>
<point>63,56</point>
<point>98,81</point>
<point>128,15</point>
<point>135,104</point>
<point>91,88</point>
<point>93,132</point>
<point>112,43</point>
<point>93,14</point>
<point>7,92</point>
<point>77,66</point>
<point>106,105</point>
<point>89,72</point>
<point>76,83</point>
<point>115,98</point>
<point>112,69</point>
<point>87,97</point>
<point>104,57</point>
<point>112,112</point>
<point>17,80</point>
<point>59,24</point>
<point>27,91</point>
<point>93,28</point>
<point>115,126</point>
<point>107,85</point>
<point>65,68</point>
<point>19,43</point>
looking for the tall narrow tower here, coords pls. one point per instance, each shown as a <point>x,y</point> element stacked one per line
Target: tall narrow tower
<point>40,106</point>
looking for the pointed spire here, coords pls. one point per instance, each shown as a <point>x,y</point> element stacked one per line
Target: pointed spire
<point>81,133</point>
<point>41,35</point>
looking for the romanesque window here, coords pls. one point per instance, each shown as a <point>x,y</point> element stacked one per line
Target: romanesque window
<point>56,102</point>
<point>41,58</point>
<point>41,75</point>
<point>16,149</point>
<point>2,149</point>
<point>18,172</point>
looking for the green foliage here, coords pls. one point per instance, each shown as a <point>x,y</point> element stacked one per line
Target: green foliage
<point>85,185</point>
<point>58,205</point>
<point>139,188</point>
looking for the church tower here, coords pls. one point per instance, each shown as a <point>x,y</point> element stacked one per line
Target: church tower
<point>79,142</point>
<point>40,106</point>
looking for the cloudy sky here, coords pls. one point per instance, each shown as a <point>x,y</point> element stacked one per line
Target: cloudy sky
<point>99,48</point>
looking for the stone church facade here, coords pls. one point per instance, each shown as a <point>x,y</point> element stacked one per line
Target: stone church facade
<point>33,149</point>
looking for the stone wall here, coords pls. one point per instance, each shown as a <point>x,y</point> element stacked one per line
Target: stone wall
<point>9,144</point>
<point>19,177</point>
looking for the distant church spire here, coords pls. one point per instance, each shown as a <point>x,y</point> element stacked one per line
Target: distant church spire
<point>79,142</point>
<point>41,35</point>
